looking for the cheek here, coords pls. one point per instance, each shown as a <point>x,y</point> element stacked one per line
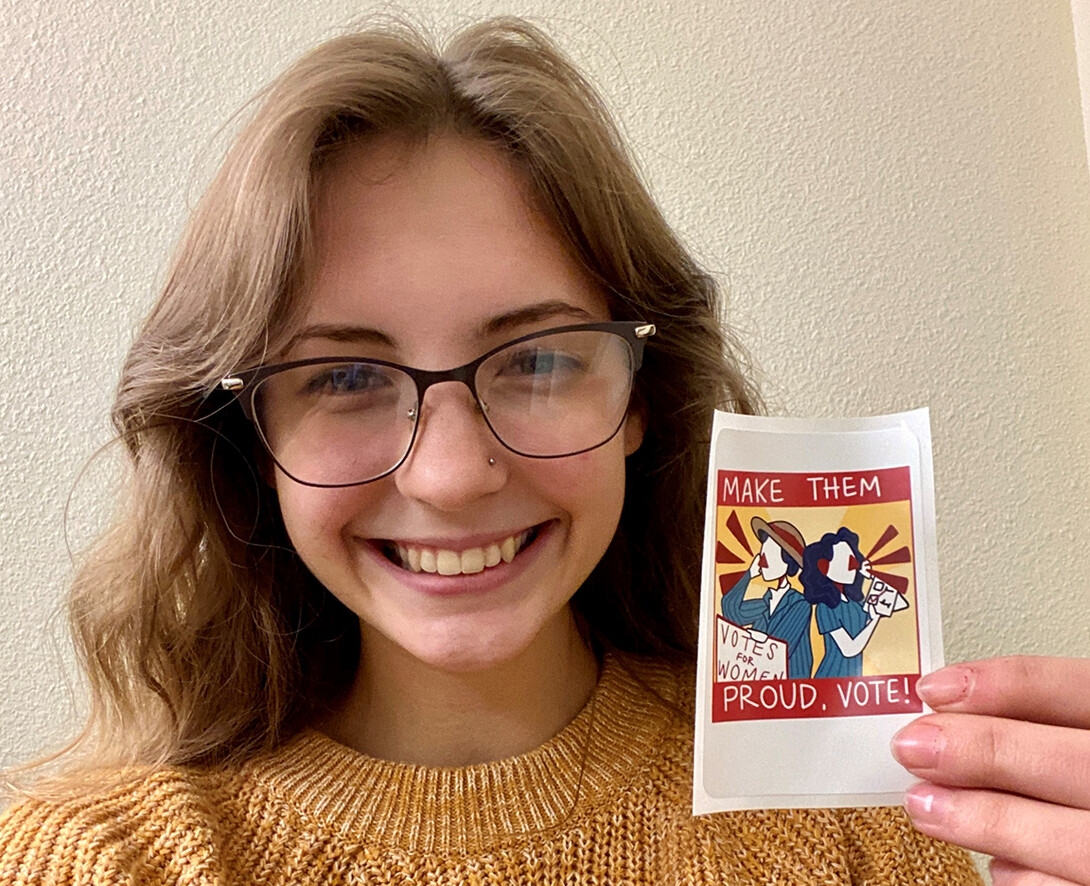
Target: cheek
<point>590,488</point>
<point>585,491</point>
<point>315,519</point>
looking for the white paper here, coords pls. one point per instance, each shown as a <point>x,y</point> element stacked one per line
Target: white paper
<point>819,541</point>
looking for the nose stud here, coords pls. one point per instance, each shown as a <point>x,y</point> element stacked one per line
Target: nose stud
<point>491,462</point>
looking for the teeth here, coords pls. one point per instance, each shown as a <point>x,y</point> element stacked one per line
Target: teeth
<point>448,562</point>
<point>472,561</point>
<point>467,562</point>
<point>427,561</point>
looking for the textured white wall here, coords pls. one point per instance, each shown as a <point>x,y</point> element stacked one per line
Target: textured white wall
<point>896,194</point>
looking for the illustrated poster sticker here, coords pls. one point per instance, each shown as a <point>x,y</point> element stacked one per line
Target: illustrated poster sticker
<point>819,609</point>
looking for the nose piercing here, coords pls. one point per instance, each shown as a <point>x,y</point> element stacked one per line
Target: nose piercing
<point>491,462</point>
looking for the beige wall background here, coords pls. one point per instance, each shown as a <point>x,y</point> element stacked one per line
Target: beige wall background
<point>895,195</point>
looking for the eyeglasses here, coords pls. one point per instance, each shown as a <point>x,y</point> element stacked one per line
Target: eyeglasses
<point>335,421</point>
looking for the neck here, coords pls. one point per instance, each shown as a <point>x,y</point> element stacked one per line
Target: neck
<point>777,593</point>
<point>402,709</point>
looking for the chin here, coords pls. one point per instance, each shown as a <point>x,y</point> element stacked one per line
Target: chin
<point>467,648</point>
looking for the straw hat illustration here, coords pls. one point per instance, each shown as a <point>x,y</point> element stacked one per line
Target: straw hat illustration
<point>784,534</point>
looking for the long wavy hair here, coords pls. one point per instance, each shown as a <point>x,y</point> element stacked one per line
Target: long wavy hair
<point>203,636</point>
<point>817,587</point>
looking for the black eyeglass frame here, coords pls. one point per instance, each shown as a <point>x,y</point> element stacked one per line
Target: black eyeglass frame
<point>635,333</point>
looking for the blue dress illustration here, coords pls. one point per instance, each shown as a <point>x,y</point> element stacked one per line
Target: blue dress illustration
<point>850,617</point>
<point>833,574</point>
<point>782,612</point>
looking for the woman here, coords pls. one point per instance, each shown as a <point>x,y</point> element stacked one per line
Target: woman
<point>371,618</point>
<point>780,612</point>
<point>833,573</point>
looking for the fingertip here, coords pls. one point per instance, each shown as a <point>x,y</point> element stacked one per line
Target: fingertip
<point>927,804</point>
<point>945,687</point>
<point>919,745</point>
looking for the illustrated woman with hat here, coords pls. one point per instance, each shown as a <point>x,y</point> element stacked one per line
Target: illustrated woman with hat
<point>782,612</point>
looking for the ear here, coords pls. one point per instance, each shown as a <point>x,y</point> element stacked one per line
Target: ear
<point>823,565</point>
<point>635,424</point>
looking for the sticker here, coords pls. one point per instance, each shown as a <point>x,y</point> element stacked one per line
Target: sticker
<point>819,609</point>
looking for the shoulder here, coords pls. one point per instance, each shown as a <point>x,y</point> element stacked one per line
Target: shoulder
<point>881,846</point>
<point>828,618</point>
<point>641,752</point>
<point>148,829</point>
<point>794,600</point>
<point>863,847</point>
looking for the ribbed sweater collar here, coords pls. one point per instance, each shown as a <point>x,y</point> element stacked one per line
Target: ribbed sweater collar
<point>423,808</point>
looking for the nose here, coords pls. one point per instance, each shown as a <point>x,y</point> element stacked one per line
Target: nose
<point>448,467</point>
<point>763,562</point>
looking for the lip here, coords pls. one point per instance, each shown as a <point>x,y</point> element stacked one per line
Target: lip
<point>463,542</point>
<point>491,579</point>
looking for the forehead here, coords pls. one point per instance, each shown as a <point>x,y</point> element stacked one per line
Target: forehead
<point>427,242</point>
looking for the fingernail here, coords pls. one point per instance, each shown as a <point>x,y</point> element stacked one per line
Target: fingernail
<point>945,687</point>
<point>918,746</point>
<point>927,804</point>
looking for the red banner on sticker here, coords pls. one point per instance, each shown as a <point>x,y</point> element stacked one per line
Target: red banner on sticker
<point>827,697</point>
<point>814,488</point>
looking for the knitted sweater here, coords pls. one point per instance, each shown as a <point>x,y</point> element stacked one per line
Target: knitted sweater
<point>607,800</point>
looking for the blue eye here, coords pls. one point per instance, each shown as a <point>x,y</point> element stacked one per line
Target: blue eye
<point>539,361</point>
<point>349,378</point>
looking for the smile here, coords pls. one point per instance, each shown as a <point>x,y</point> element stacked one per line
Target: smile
<point>469,561</point>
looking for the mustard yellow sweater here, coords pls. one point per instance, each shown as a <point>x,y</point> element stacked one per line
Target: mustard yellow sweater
<point>614,809</point>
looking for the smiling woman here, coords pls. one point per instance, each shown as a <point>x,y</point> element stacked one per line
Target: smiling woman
<point>428,226</point>
<point>406,588</point>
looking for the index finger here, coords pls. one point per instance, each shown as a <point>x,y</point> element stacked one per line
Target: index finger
<point>1019,687</point>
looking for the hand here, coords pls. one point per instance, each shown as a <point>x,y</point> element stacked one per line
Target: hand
<point>864,567</point>
<point>1006,763</point>
<point>755,566</point>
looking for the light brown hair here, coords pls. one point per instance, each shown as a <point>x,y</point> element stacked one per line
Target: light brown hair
<point>202,634</point>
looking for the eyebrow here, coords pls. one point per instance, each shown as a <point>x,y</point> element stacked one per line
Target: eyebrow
<point>350,334</point>
<point>545,310</point>
<point>340,332</point>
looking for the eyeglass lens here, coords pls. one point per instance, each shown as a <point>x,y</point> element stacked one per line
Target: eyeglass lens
<point>339,423</point>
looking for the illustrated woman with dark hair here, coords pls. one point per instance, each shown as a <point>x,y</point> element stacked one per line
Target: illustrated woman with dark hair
<point>833,576</point>
<point>781,612</point>
<point>405,585</point>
